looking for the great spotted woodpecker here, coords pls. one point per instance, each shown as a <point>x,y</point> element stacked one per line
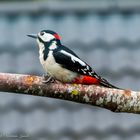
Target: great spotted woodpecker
<point>63,64</point>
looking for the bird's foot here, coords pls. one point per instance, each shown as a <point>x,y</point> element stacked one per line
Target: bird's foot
<point>47,79</point>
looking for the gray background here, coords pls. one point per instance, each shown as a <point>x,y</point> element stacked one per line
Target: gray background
<point>105,33</point>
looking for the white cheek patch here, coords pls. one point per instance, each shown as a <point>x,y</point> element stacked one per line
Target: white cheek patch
<point>46,37</point>
<point>73,58</point>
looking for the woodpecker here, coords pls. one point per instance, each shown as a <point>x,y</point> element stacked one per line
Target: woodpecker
<point>62,64</point>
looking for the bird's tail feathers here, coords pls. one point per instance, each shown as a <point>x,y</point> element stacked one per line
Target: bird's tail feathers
<point>105,83</point>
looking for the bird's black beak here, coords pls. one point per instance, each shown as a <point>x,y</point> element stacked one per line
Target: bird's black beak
<point>33,36</point>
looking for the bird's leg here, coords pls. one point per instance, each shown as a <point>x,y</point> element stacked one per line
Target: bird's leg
<point>47,79</point>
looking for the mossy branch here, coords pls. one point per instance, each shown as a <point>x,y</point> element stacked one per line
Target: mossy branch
<point>112,99</point>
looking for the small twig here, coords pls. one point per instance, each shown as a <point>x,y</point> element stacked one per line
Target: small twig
<point>112,99</point>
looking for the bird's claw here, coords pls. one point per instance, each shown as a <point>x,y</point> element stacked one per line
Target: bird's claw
<point>47,79</point>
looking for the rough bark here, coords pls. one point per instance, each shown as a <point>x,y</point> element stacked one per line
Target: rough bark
<point>112,99</point>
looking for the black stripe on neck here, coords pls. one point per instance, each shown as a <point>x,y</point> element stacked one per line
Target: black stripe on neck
<point>47,45</point>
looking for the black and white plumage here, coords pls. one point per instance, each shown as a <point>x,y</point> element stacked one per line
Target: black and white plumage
<point>63,64</point>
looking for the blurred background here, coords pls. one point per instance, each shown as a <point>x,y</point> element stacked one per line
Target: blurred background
<point>104,33</point>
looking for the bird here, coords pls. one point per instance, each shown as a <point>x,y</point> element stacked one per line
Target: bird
<point>62,64</point>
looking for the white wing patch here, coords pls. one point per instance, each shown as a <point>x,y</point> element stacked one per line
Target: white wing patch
<point>73,58</point>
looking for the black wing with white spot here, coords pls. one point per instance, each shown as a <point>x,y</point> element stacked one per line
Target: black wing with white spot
<point>69,60</point>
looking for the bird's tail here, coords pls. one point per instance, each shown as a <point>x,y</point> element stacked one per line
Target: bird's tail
<point>105,83</point>
<point>88,80</point>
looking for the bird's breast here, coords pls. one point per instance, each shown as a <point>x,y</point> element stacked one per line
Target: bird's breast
<point>56,70</point>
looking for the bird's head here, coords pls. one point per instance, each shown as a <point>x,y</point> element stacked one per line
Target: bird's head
<point>47,38</point>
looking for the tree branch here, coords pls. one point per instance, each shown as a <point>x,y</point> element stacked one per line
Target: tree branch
<point>112,99</point>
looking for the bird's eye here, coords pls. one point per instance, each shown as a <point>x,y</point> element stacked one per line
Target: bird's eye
<point>41,33</point>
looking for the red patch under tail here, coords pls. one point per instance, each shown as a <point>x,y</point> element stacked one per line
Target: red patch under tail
<point>86,80</point>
